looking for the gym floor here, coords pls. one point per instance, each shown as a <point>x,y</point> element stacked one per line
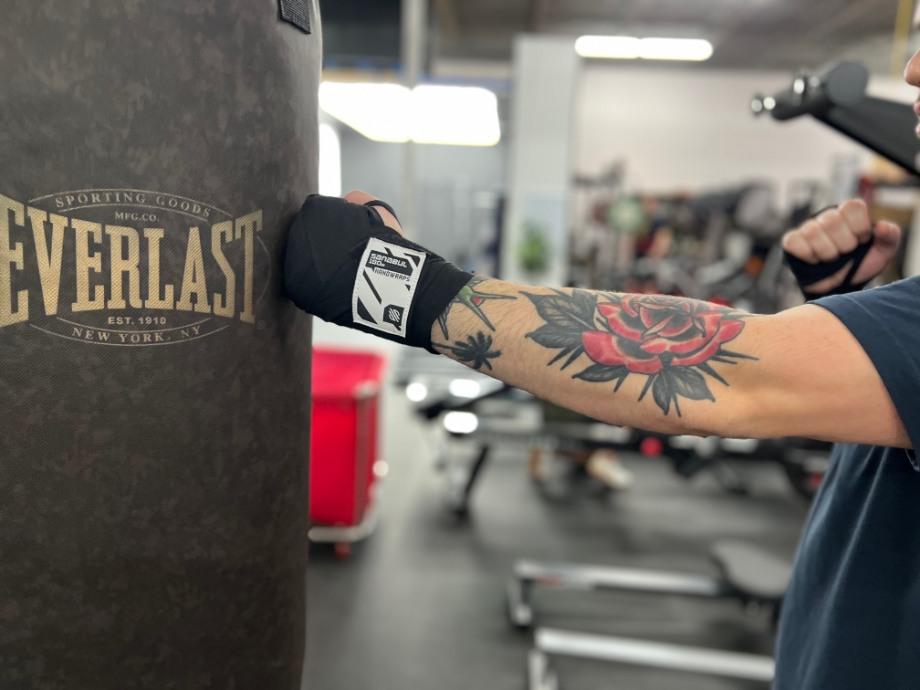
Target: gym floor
<point>421,604</point>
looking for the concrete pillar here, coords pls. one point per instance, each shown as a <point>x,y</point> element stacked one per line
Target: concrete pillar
<point>540,166</point>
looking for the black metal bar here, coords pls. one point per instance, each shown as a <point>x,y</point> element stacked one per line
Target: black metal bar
<point>837,98</point>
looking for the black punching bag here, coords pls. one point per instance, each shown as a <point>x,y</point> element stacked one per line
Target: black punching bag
<point>154,379</point>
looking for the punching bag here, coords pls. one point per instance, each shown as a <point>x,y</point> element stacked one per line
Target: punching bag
<point>154,379</point>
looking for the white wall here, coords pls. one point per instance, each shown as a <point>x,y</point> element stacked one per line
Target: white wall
<point>685,128</point>
<point>447,180</point>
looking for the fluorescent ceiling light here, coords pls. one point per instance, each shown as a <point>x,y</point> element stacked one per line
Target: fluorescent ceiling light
<point>449,115</point>
<point>631,48</point>
<point>609,47</point>
<point>378,111</point>
<point>692,49</point>
<point>458,115</point>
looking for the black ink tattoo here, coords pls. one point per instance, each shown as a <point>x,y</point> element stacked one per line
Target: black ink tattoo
<point>473,299</point>
<point>476,351</point>
<point>672,341</point>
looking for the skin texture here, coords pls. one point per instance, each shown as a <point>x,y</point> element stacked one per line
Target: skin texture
<point>683,366</point>
<point>680,366</point>
<point>474,298</point>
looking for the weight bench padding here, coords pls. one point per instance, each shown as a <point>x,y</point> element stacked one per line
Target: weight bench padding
<point>753,572</point>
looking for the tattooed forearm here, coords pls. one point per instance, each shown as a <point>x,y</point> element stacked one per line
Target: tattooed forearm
<point>672,341</point>
<point>677,366</point>
<point>667,349</point>
<point>472,298</point>
<point>476,351</point>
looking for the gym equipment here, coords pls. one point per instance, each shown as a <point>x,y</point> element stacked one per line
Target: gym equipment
<point>344,469</point>
<point>550,642</point>
<point>837,97</point>
<point>746,574</point>
<point>513,418</point>
<point>519,422</point>
<point>155,437</point>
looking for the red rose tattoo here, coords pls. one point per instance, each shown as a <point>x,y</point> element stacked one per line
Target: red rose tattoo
<point>670,340</point>
<point>645,334</point>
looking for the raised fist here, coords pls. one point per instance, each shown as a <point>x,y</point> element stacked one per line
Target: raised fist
<point>840,250</point>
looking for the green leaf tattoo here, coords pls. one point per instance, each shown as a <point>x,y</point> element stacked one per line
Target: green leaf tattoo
<point>472,298</point>
<point>476,351</point>
<point>566,317</point>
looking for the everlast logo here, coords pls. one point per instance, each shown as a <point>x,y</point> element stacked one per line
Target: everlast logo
<point>128,267</point>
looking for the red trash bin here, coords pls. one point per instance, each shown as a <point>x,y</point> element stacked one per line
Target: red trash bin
<point>344,444</point>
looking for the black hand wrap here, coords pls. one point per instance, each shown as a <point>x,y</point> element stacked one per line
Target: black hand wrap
<point>808,274</point>
<point>345,266</point>
<point>382,204</point>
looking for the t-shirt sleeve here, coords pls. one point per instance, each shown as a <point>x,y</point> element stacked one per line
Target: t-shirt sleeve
<point>886,322</point>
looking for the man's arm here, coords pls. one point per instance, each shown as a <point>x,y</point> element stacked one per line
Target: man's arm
<point>673,365</point>
<point>648,361</point>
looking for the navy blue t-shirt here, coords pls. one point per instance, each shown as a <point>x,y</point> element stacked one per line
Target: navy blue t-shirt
<point>851,617</point>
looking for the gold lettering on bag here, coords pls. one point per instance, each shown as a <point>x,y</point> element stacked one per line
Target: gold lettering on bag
<point>193,280</point>
<point>248,226</point>
<point>124,265</point>
<point>154,300</point>
<point>87,263</point>
<point>48,258</point>
<point>220,234</point>
<point>104,280</point>
<point>11,256</point>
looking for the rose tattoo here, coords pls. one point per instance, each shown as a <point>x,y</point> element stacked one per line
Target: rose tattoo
<point>670,340</point>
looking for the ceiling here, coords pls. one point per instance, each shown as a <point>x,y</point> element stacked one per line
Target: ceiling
<point>765,34</point>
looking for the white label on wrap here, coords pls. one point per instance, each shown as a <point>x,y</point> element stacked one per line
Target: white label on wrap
<point>385,285</point>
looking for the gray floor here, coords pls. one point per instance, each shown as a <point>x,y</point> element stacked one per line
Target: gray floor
<point>420,604</point>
